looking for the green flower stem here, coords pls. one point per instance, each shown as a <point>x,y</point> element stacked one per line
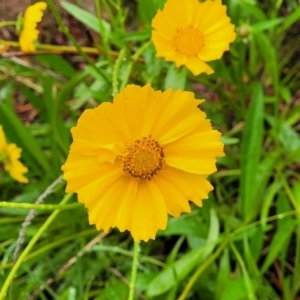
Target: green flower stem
<point>135,57</point>
<point>66,31</point>
<point>39,206</point>
<point>289,193</point>
<point>135,262</point>
<point>101,29</point>
<point>60,49</point>
<point>7,23</point>
<point>247,280</point>
<point>30,245</point>
<point>116,71</point>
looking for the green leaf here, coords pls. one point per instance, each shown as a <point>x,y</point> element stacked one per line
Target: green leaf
<point>86,18</point>
<point>251,152</point>
<point>58,64</point>
<point>187,225</point>
<point>268,200</point>
<point>223,274</point>
<point>252,9</point>
<point>289,138</point>
<point>176,78</point>
<point>265,25</point>
<point>235,290</point>
<point>282,234</point>
<point>177,271</point>
<point>290,20</point>
<point>170,276</point>
<point>147,9</point>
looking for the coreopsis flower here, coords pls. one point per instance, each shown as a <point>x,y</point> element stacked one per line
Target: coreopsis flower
<point>192,33</point>
<point>144,156</point>
<point>9,159</point>
<point>29,34</point>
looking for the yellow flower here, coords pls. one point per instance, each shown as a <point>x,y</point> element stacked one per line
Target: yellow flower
<point>140,158</point>
<point>9,159</point>
<point>29,33</point>
<point>191,33</point>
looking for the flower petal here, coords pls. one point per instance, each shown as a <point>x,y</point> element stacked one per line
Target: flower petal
<point>195,187</point>
<point>12,165</point>
<point>177,116</point>
<point>86,176</point>
<point>195,153</point>
<point>149,212</point>
<point>134,101</point>
<point>197,66</point>
<point>176,201</point>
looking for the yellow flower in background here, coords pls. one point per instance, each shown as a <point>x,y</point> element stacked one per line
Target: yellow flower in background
<point>29,33</point>
<point>144,156</point>
<point>191,33</point>
<point>9,159</point>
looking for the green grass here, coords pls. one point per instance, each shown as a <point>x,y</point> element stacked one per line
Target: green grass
<point>245,241</point>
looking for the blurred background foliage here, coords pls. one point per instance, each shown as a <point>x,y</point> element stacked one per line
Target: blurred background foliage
<point>245,241</point>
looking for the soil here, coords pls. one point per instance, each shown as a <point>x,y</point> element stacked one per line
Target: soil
<point>9,9</point>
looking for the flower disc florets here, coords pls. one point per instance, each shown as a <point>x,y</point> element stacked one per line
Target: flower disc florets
<point>144,159</point>
<point>188,41</point>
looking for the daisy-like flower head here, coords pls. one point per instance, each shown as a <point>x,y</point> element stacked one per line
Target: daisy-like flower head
<point>191,33</point>
<point>140,158</point>
<point>9,159</point>
<point>29,33</point>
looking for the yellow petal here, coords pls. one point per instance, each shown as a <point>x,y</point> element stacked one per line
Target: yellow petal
<point>195,153</point>
<point>164,47</point>
<point>149,212</point>
<point>176,116</point>
<point>15,168</point>
<point>166,26</point>
<point>2,138</point>
<point>105,209</point>
<point>197,66</point>
<point>83,171</point>
<point>195,187</point>
<point>176,201</point>
<point>134,102</point>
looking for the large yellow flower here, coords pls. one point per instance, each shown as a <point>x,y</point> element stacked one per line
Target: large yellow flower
<point>9,159</point>
<point>191,33</point>
<point>140,158</point>
<point>29,33</point>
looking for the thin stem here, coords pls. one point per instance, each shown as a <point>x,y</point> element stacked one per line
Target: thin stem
<point>39,206</point>
<point>7,23</point>
<point>101,29</point>
<point>289,193</point>
<point>30,245</point>
<point>136,251</point>
<point>134,58</point>
<point>116,72</point>
<point>46,48</point>
<point>66,31</point>
<point>247,281</point>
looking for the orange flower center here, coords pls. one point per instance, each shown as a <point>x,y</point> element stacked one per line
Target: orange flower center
<point>144,159</point>
<point>188,41</point>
